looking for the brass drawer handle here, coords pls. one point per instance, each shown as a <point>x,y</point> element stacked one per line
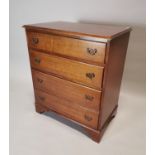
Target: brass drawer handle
<point>90,75</point>
<point>88,118</point>
<point>92,51</point>
<point>37,60</point>
<point>39,80</point>
<point>42,98</point>
<point>88,97</point>
<point>35,41</point>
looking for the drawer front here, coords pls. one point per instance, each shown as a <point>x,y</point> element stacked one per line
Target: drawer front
<point>77,113</point>
<point>72,70</point>
<point>75,93</point>
<point>80,49</point>
<point>40,41</point>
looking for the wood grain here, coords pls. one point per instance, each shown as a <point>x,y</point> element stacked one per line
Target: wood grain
<point>113,76</point>
<point>68,109</point>
<point>68,47</point>
<point>69,69</point>
<point>80,49</point>
<point>77,71</point>
<point>75,93</point>
<point>80,29</point>
<point>45,41</point>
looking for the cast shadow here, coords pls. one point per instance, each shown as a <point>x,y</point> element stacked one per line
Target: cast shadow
<point>65,121</point>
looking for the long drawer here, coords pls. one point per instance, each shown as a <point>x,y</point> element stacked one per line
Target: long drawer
<point>67,109</point>
<point>75,71</point>
<point>93,52</point>
<point>72,92</point>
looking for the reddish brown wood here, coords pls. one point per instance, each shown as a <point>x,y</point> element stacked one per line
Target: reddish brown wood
<point>77,94</point>
<point>80,29</point>
<point>86,51</point>
<point>96,135</point>
<point>92,52</point>
<point>40,108</point>
<point>66,108</point>
<point>70,82</point>
<point>113,76</point>
<point>72,70</point>
<point>40,41</point>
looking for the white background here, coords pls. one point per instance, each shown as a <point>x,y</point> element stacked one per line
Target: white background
<point>33,134</point>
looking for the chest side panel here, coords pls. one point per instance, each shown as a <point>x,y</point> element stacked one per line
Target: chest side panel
<point>113,75</point>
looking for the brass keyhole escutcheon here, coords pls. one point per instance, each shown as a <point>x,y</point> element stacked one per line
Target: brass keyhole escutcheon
<point>35,41</point>
<point>90,75</point>
<point>92,51</point>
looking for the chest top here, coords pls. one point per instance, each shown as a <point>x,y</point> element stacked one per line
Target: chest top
<point>96,32</point>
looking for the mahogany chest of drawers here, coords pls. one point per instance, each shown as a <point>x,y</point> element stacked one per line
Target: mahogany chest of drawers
<point>77,71</point>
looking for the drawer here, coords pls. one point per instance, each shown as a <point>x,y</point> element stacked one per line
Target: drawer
<point>77,113</point>
<point>80,49</point>
<point>75,93</point>
<point>40,41</point>
<point>93,52</point>
<point>75,71</point>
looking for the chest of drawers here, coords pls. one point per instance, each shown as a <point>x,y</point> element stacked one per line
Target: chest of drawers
<point>77,71</point>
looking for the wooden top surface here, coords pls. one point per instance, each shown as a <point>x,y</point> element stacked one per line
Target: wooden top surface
<point>92,30</point>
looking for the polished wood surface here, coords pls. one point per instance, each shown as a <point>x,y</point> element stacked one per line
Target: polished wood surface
<point>97,134</point>
<point>86,50</point>
<point>68,28</point>
<point>40,41</point>
<point>68,109</point>
<point>72,70</point>
<point>77,71</point>
<point>113,76</point>
<point>75,93</point>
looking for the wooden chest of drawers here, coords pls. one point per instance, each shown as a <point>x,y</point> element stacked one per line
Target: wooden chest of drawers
<point>77,71</point>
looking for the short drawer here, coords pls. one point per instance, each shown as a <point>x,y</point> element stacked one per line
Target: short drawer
<point>40,41</point>
<point>75,71</point>
<point>80,49</point>
<point>75,93</point>
<point>77,113</point>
